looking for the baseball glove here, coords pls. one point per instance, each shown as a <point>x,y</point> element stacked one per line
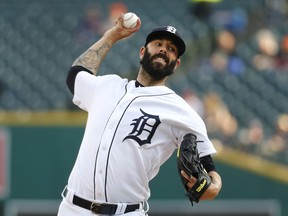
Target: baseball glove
<point>188,160</point>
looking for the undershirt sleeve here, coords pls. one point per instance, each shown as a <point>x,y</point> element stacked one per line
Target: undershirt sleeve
<point>208,163</point>
<point>71,76</point>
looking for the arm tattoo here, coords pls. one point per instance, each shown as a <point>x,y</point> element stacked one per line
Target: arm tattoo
<point>91,59</point>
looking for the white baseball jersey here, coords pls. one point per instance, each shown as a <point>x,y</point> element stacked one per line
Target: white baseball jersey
<point>130,132</point>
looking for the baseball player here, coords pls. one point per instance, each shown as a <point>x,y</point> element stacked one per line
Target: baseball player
<point>133,127</point>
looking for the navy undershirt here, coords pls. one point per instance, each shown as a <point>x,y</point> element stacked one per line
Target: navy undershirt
<point>138,84</point>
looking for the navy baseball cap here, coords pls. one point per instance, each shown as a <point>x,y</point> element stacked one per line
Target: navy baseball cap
<point>169,32</point>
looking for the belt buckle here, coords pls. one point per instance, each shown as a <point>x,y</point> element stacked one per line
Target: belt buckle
<point>95,208</point>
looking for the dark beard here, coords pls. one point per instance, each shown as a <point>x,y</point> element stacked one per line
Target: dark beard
<point>157,70</point>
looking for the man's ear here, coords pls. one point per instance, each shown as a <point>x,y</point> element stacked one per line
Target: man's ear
<point>141,52</point>
<point>177,64</point>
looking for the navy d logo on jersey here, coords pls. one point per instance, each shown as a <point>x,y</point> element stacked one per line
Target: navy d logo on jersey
<point>144,128</point>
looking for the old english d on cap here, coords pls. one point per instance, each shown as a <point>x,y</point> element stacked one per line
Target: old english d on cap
<point>169,32</point>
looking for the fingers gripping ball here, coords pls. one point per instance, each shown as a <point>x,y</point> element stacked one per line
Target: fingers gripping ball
<point>130,20</point>
<point>188,160</point>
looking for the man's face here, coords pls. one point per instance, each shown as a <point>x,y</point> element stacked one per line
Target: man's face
<point>161,64</point>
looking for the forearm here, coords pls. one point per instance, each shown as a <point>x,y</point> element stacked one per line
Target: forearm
<point>92,58</point>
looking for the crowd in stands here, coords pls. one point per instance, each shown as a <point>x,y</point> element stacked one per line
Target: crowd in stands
<point>243,41</point>
<point>224,128</point>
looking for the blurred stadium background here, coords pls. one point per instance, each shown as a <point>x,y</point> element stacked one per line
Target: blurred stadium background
<point>234,73</point>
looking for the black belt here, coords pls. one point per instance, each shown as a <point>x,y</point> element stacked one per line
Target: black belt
<point>100,208</point>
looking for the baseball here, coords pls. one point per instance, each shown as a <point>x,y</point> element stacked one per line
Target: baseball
<point>130,20</point>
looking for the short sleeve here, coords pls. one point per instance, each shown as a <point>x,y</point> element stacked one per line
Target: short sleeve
<point>84,86</point>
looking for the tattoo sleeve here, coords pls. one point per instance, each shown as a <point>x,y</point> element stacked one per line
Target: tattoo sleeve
<point>92,58</point>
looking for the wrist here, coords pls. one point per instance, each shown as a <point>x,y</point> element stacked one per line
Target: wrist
<point>216,181</point>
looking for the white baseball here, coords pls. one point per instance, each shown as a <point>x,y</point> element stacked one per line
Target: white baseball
<point>130,20</point>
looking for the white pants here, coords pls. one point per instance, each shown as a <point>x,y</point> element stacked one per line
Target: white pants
<point>69,209</point>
